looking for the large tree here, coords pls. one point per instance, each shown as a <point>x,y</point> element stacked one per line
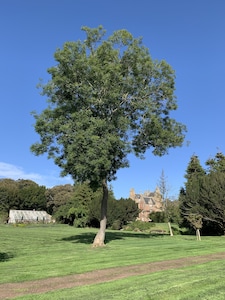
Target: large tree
<point>9,198</point>
<point>21,194</point>
<point>31,195</point>
<point>106,98</point>
<point>213,201</point>
<point>203,199</point>
<point>190,198</point>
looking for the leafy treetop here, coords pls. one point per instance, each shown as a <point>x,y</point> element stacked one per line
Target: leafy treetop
<point>106,98</point>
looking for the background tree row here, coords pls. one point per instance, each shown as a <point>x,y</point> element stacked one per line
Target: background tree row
<point>76,205</point>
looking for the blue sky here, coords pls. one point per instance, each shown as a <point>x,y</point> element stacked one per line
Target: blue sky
<point>189,35</point>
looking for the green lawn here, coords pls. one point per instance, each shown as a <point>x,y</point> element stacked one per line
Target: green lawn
<point>35,252</point>
<point>202,282</point>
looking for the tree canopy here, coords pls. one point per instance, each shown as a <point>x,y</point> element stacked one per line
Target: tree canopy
<point>21,194</point>
<point>106,98</point>
<point>57,196</point>
<point>203,198</point>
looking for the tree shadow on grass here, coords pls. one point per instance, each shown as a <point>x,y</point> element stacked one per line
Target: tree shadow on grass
<point>5,256</point>
<point>88,237</point>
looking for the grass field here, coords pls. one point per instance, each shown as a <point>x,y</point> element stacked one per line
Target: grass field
<point>35,252</point>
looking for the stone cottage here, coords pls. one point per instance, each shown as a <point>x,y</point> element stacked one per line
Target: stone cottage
<point>148,202</point>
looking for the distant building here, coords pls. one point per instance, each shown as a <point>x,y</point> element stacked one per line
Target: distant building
<point>148,202</point>
<point>28,216</point>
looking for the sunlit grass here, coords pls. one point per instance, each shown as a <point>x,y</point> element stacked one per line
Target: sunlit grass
<point>35,252</point>
<point>205,281</point>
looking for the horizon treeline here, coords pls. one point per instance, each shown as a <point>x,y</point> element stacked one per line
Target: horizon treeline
<point>200,204</point>
<point>76,205</point>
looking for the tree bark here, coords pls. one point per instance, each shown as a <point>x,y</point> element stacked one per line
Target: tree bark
<point>99,240</point>
<point>170,229</point>
<point>198,235</point>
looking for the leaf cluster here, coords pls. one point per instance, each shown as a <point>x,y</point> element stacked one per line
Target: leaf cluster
<point>106,98</point>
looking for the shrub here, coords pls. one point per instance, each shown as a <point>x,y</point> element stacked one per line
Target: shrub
<point>139,226</point>
<point>117,225</point>
<point>3,217</point>
<point>158,217</point>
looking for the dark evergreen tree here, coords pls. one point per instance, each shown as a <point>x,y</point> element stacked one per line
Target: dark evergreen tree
<point>122,211</point>
<point>216,164</point>
<point>194,169</point>
<point>203,198</point>
<point>190,195</point>
<point>213,203</point>
<point>79,212</point>
<point>72,204</point>
<point>213,195</point>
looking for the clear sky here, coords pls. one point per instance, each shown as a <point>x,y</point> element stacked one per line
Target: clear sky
<point>189,35</point>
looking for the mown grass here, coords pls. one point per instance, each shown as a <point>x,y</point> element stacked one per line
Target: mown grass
<point>203,282</point>
<point>35,252</point>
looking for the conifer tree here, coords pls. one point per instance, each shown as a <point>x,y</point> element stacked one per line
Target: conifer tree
<point>190,195</point>
<point>212,197</point>
<point>216,164</point>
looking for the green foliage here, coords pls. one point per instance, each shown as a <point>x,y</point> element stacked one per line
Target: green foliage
<point>158,217</point>
<point>216,164</point>
<point>139,226</point>
<point>212,200</point>
<point>95,208</point>
<point>3,217</point>
<point>79,212</point>
<point>79,205</point>
<point>121,212</point>
<point>164,189</point>
<point>195,220</point>
<point>79,216</point>
<point>58,196</point>
<point>204,195</point>
<point>194,169</point>
<point>106,98</point>
<point>190,196</point>
<point>170,214</point>
<point>173,211</point>
<point>21,194</point>
<point>31,195</point>
<point>61,215</point>
<point>8,194</point>
<point>73,204</point>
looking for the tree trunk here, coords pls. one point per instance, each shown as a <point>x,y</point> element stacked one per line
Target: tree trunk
<point>170,229</point>
<point>198,236</point>
<point>100,236</point>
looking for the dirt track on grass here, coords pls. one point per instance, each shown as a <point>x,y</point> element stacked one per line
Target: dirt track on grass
<point>12,290</point>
